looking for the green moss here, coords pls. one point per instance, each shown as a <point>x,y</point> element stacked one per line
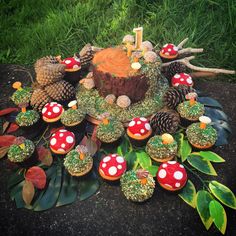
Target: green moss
<point>19,154</point>
<point>201,137</point>
<point>110,132</point>
<point>190,112</point>
<point>133,189</point>
<point>22,96</point>
<point>27,118</point>
<point>155,148</point>
<point>72,116</point>
<point>74,164</point>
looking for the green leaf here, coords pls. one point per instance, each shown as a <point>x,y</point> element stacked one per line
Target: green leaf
<point>185,150</point>
<point>88,185</point>
<point>15,178</point>
<point>188,194</point>
<point>200,164</point>
<point>218,215</point>
<point>152,170</point>
<point>223,194</point>
<point>203,199</point>
<point>69,188</point>
<point>119,151</point>
<point>131,159</point>
<point>144,159</point>
<point>125,146</point>
<point>179,137</point>
<point>211,156</point>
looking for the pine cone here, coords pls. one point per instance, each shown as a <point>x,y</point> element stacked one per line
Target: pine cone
<point>174,68</point>
<point>39,98</point>
<point>165,122</point>
<point>50,73</point>
<point>44,61</point>
<point>175,95</point>
<point>86,55</point>
<point>60,91</point>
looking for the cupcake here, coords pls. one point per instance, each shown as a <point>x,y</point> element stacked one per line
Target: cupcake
<point>202,135</point>
<point>62,141</point>
<point>172,176</point>
<point>162,148</point>
<point>191,110</point>
<point>112,167</point>
<point>139,131</point>
<point>169,52</point>
<point>137,186</point>
<point>73,117</point>
<point>52,112</point>
<point>21,95</point>
<point>73,69</point>
<point>110,130</point>
<point>22,152</point>
<point>78,162</point>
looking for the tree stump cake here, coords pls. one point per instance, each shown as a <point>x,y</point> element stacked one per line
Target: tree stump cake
<point>113,74</point>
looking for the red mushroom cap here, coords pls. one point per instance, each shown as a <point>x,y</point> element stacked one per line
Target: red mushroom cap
<point>52,111</point>
<point>181,79</point>
<point>169,50</point>
<point>62,141</point>
<point>171,175</point>
<point>72,63</point>
<point>112,166</point>
<point>139,127</point>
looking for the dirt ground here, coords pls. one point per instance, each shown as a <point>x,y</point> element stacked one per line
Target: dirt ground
<point>108,212</point>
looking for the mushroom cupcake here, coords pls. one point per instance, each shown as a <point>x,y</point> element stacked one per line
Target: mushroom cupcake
<point>172,176</point>
<point>21,95</point>
<point>202,135</point>
<point>162,148</point>
<point>62,141</point>
<point>190,110</point>
<point>73,117</point>
<point>182,79</point>
<point>137,186</point>
<point>139,131</point>
<point>52,112</point>
<point>169,52</point>
<point>22,152</point>
<point>112,167</point>
<point>78,161</point>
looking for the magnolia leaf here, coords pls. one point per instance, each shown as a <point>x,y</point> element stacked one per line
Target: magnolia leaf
<point>12,128</point>
<point>3,151</point>
<point>5,126</point>
<point>203,199</point>
<point>215,114</point>
<point>209,102</point>
<point>15,178</point>
<point>221,124</point>
<point>223,194</point>
<point>152,170</point>
<point>222,136</point>
<point>143,159</point>
<point>91,146</point>
<point>7,140</point>
<point>211,156</point>
<point>185,150</point>
<point>131,159</point>
<point>218,215</point>
<point>28,192</point>
<point>201,165</point>
<point>188,194</point>
<point>8,111</point>
<point>45,155</point>
<point>37,176</point>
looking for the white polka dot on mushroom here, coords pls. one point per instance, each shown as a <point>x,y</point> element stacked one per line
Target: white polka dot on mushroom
<point>67,61</point>
<point>119,167</point>
<point>77,59</point>
<point>177,185</point>
<point>139,122</point>
<point>106,159</point>
<point>62,130</point>
<point>147,126</point>
<point>143,119</point>
<point>178,175</point>
<point>53,141</point>
<point>132,123</point>
<point>61,135</point>
<point>63,145</point>
<point>112,170</point>
<point>120,159</point>
<point>182,79</point>
<point>56,109</point>
<point>104,165</point>
<point>168,185</point>
<point>61,150</point>
<point>75,66</point>
<point>177,76</point>
<point>114,155</point>
<point>189,81</point>
<point>164,165</point>
<point>142,131</point>
<point>69,139</point>
<point>167,53</point>
<point>176,84</point>
<point>172,162</point>
<point>44,110</point>
<point>175,49</point>
<point>162,174</point>
<point>181,166</point>
<point>169,49</point>
<point>49,113</point>
<point>137,134</point>
<point>165,45</point>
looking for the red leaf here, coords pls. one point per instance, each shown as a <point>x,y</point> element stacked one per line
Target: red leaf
<point>12,128</point>
<point>28,192</point>
<point>53,130</point>
<point>83,141</point>
<point>94,134</point>
<point>8,110</point>
<point>7,140</point>
<point>3,151</point>
<point>37,176</point>
<point>45,155</point>
<point>5,126</point>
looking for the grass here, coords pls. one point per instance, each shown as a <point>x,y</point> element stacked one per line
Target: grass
<point>34,28</point>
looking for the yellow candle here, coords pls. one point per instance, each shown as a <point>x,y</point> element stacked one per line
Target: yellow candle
<point>138,37</point>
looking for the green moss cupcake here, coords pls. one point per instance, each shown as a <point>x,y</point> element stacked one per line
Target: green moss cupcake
<point>110,130</point>
<point>27,118</point>
<point>137,186</point>
<point>162,148</point>
<point>21,95</point>
<point>78,162</point>
<point>23,152</point>
<point>202,135</point>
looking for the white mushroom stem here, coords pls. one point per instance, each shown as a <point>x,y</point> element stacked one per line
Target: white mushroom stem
<point>180,45</point>
<point>186,61</point>
<point>190,50</point>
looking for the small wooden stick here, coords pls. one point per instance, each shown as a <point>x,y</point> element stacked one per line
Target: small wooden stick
<point>190,50</point>
<point>202,74</point>
<point>96,49</point>
<point>180,45</point>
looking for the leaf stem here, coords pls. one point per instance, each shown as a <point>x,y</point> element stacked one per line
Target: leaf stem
<point>42,136</point>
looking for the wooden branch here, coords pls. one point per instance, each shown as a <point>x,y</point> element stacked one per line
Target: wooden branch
<point>186,61</point>
<point>96,49</point>
<point>201,74</point>
<point>190,50</point>
<point>180,45</point>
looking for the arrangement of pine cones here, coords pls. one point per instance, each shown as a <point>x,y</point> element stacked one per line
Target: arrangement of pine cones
<point>172,69</point>
<point>165,122</point>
